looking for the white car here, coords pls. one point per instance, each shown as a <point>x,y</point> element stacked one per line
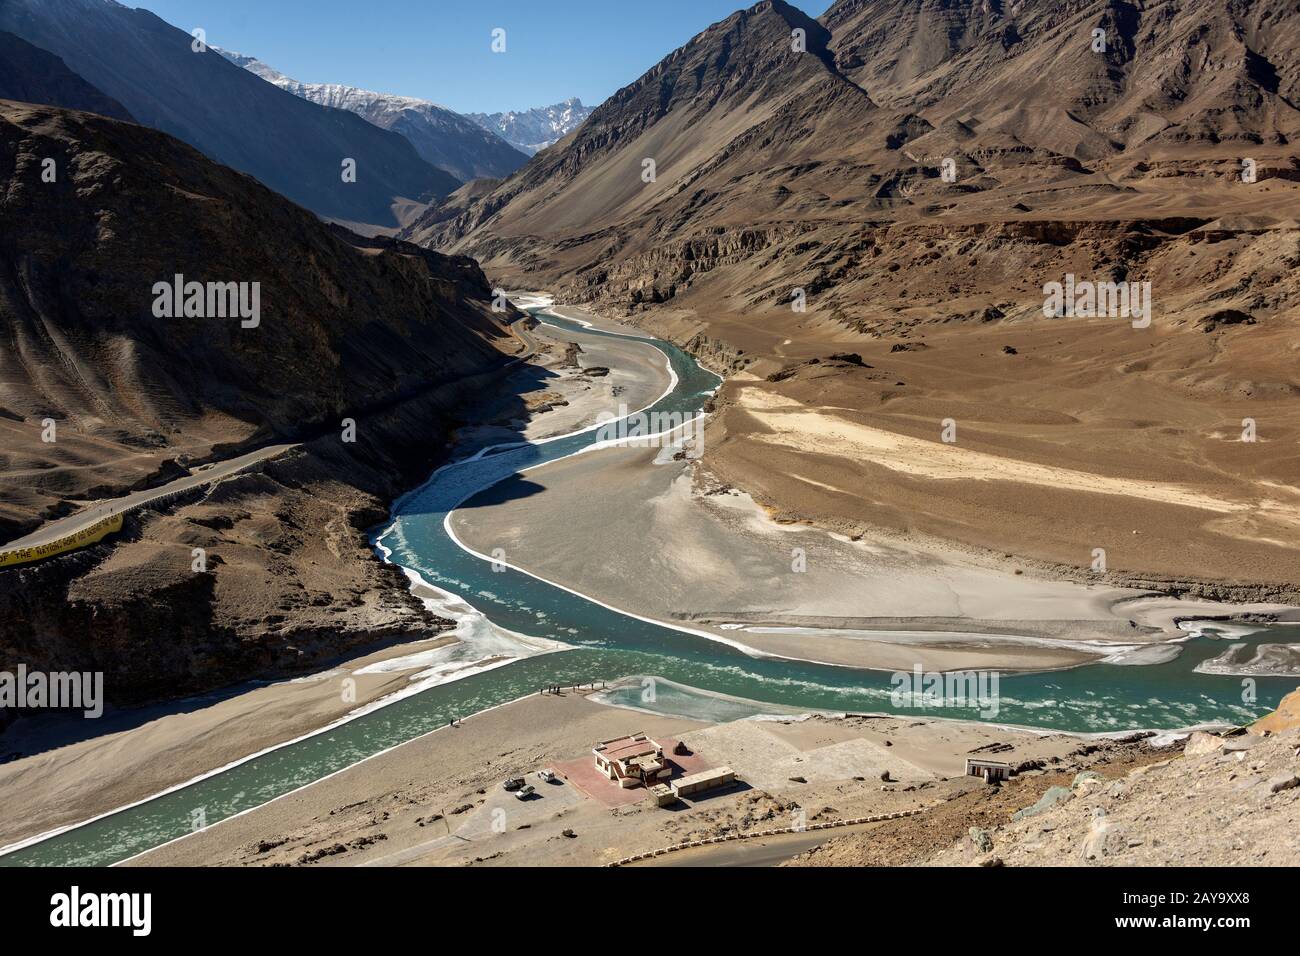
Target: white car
<point>524,792</point>
<point>547,775</point>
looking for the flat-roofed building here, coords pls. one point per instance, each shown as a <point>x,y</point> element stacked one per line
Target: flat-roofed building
<point>993,771</point>
<point>703,781</point>
<point>661,795</point>
<point>634,760</point>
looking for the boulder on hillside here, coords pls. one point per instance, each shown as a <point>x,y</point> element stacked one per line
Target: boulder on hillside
<point>1201,743</point>
<point>1053,796</point>
<point>1285,717</point>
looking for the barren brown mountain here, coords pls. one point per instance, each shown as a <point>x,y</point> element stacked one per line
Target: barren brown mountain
<point>387,334</point>
<point>920,173</point>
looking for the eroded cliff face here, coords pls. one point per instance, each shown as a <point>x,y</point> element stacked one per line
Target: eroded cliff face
<point>387,336</point>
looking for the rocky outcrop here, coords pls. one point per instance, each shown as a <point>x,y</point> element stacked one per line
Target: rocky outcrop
<point>1235,797</point>
<point>1286,717</point>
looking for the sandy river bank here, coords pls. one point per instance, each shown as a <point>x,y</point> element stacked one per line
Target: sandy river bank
<point>659,537</point>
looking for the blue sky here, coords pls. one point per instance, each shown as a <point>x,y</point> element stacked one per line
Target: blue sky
<point>440,49</point>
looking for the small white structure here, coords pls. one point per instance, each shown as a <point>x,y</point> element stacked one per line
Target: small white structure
<point>993,771</point>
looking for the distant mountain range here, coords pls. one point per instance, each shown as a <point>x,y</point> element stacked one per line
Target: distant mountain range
<point>104,57</point>
<point>291,144</point>
<point>531,131</point>
<point>466,149</point>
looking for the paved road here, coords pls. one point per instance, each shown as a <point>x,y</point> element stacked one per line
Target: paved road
<point>63,527</point>
<point>759,851</point>
<point>531,345</point>
<point>205,474</point>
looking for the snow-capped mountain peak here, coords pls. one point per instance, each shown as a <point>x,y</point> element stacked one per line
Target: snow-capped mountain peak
<point>441,136</point>
<point>533,130</point>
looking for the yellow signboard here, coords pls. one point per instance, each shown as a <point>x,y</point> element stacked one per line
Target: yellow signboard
<point>70,543</point>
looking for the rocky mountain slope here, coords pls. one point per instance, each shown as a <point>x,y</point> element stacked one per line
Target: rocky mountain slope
<point>294,146</point>
<point>387,335</point>
<point>33,75</point>
<point>1170,74</point>
<point>904,191</point>
<point>1235,801</point>
<point>531,131</point>
<point>1209,800</point>
<point>1237,805</point>
<point>442,137</point>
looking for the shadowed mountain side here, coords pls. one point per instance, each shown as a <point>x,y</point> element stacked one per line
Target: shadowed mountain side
<point>293,146</point>
<point>33,75</point>
<point>346,324</point>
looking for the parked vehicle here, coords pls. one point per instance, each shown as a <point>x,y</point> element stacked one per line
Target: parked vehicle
<point>523,793</point>
<point>514,783</point>
<point>547,775</point>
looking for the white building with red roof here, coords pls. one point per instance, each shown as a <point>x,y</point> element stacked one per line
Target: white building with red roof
<point>631,761</point>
